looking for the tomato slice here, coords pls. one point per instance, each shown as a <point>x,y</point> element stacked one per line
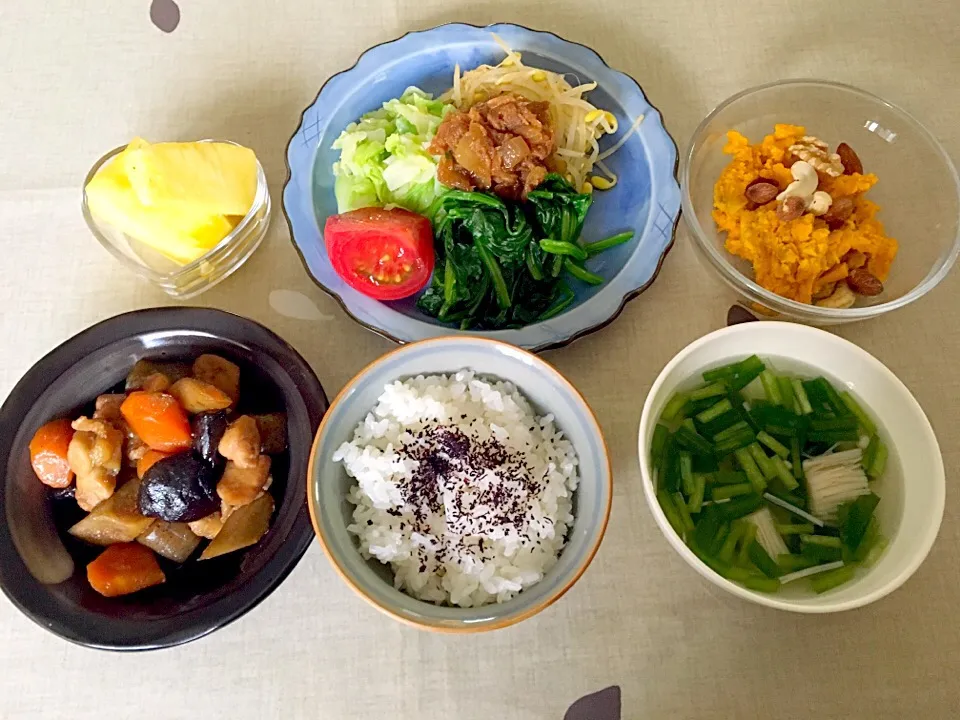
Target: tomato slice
<point>385,254</point>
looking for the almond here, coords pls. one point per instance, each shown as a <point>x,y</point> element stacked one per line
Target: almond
<point>839,212</point>
<point>761,191</point>
<point>791,208</point>
<point>864,282</point>
<point>850,159</point>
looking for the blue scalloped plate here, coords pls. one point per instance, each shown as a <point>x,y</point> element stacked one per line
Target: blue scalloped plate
<point>646,198</point>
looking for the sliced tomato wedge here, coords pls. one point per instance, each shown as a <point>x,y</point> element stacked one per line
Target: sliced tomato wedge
<point>385,254</point>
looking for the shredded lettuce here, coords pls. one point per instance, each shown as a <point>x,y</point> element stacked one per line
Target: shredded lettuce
<point>384,159</point>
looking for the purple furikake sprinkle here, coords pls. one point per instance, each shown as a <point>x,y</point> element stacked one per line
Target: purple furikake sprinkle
<point>479,486</point>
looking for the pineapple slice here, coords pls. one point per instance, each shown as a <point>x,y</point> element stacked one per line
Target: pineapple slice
<point>180,233</point>
<point>211,178</point>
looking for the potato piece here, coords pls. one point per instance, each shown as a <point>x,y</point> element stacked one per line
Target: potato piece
<point>145,368</point>
<point>220,373</point>
<point>156,382</point>
<point>207,527</point>
<point>115,520</point>
<point>93,488</point>
<point>240,486</point>
<point>174,541</point>
<point>273,432</point>
<point>241,442</point>
<point>108,409</point>
<point>242,529</point>
<point>197,396</point>
<point>124,569</point>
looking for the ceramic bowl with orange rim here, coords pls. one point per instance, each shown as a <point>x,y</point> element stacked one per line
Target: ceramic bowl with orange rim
<point>552,399</point>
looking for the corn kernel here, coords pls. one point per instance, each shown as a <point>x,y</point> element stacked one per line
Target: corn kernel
<point>569,178</point>
<point>539,76</point>
<point>601,183</point>
<point>586,189</point>
<point>479,96</point>
<point>593,115</point>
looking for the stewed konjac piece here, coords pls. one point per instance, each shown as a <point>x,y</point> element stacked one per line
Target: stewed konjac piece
<point>162,468</point>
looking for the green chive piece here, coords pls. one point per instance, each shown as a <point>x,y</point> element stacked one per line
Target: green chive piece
<point>774,444</point>
<point>832,578</point>
<point>715,411</point>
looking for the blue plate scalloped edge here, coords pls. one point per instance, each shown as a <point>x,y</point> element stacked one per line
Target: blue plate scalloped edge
<point>552,338</point>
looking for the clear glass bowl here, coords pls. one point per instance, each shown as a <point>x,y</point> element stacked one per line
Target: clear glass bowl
<point>184,281</point>
<point>918,189</point>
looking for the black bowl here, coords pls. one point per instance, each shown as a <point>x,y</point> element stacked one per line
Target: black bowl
<point>35,551</point>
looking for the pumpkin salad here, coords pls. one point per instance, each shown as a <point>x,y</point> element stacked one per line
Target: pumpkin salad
<point>799,214</point>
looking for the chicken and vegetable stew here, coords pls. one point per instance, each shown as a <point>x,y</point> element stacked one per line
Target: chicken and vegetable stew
<point>162,467</point>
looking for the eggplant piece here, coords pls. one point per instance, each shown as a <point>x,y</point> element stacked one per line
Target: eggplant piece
<point>179,488</point>
<point>174,541</point>
<point>273,432</point>
<point>115,520</point>
<point>245,526</point>
<point>143,369</point>
<point>208,429</point>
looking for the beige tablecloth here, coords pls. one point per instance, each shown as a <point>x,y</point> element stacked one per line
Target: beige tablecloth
<point>78,78</point>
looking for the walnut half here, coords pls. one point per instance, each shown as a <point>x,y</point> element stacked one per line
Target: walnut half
<point>816,152</point>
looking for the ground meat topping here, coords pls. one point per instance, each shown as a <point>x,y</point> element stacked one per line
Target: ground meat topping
<point>501,145</point>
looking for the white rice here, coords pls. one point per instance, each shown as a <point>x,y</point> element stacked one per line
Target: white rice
<point>491,520</point>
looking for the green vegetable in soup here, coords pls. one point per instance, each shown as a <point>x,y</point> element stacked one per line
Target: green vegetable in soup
<point>745,502</point>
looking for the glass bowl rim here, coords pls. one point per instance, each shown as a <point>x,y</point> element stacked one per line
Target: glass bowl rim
<point>776,302</point>
<point>261,200</point>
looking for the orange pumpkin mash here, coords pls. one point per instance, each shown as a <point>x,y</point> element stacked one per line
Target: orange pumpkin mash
<point>794,259</point>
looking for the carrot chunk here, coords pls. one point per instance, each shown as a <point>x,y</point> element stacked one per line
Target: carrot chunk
<point>158,419</point>
<point>48,453</point>
<point>124,569</point>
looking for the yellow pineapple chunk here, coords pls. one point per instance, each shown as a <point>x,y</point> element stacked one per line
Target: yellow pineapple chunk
<point>181,233</point>
<point>210,177</point>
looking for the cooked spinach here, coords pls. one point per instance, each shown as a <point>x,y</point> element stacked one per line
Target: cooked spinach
<point>493,271</point>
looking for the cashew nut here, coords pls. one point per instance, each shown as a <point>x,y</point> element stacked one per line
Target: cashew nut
<point>820,202</point>
<point>804,187</point>
<point>805,181</point>
<point>841,298</point>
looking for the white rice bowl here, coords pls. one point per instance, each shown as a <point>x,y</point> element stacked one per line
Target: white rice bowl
<point>491,520</point>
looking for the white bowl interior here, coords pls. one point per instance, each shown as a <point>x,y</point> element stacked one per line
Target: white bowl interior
<point>546,390</point>
<point>911,490</point>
